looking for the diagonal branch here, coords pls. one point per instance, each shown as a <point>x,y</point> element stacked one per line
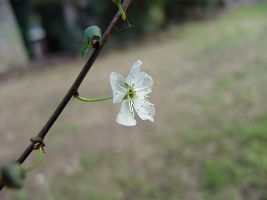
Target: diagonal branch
<point>76,84</point>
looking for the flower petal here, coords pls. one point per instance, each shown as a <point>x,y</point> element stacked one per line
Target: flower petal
<point>142,94</point>
<point>143,82</point>
<point>126,115</point>
<point>144,109</point>
<point>118,87</point>
<point>134,72</point>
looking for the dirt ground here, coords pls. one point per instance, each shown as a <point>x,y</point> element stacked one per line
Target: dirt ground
<point>209,79</point>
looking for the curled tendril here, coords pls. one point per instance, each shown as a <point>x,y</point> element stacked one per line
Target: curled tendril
<point>37,161</point>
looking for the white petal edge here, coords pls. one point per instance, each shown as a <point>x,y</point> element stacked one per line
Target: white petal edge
<point>134,72</point>
<point>118,87</point>
<point>144,109</point>
<point>125,116</point>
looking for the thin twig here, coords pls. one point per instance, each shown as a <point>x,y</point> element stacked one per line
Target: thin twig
<point>76,84</point>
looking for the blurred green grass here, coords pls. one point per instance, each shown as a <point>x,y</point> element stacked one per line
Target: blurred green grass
<point>209,138</point>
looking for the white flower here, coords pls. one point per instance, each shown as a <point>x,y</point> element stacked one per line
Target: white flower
<point>132,93</point>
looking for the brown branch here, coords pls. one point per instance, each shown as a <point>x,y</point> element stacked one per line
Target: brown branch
<point>76,84</point>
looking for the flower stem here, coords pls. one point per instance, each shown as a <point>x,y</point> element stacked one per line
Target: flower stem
<point>37,162</point>
<point>92,100</point>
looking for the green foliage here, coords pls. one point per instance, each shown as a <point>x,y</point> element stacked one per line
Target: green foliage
<point>218,174</point>
<point>22,194</point>
<point>154,19</point>
<point>210,3</point>
<point>145,187</point>
<point>91,162</point>
<point>180,9</point>
<point>94,196</point>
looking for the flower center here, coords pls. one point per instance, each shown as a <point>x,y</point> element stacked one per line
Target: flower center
<point>131,93</point>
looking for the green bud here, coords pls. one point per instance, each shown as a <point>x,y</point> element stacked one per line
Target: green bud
<point>85,50</point>
<point>13,175</point>
<point>92,37</point>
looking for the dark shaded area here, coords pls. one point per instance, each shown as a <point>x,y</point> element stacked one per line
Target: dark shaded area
<point>50,27</point>
<point>56,33</point>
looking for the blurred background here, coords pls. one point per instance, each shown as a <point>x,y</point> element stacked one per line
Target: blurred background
<point>208,59</point>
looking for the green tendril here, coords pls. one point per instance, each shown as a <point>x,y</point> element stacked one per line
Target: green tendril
<point>92,100</point>
<point>118,4</point>
<point>123,15</point>
<point>37,162</point>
